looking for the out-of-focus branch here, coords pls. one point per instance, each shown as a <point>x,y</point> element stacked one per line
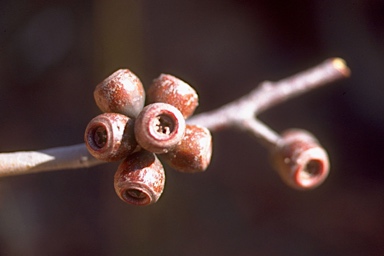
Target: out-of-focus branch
<point>240,114</point>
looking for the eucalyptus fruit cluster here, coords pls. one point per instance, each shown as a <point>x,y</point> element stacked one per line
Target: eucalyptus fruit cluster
<point>138,128</point>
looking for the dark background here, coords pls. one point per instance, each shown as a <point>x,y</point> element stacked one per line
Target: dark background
<point>52,55</point>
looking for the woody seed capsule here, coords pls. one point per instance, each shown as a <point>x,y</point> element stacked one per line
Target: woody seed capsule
<point>159,127</point>
<point>122,92</point>
<point>140,179</point>
<point>172,90</point>
<point>109,136</point>
<point>300,160</point>
<point>193,153</point>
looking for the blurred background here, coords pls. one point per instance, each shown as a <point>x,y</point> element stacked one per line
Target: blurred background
<point>53,54</point>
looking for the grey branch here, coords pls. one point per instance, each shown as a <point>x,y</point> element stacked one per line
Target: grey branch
<point>24,162</point>
<point>240,114</point>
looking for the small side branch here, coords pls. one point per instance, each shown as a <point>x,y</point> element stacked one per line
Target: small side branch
<point>240,114</point>
<point>260,131</point>
<point>269,94</point>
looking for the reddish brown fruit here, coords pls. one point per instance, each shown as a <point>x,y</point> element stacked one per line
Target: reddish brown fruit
<point>301,162</point>
<point>159,127</point>
<point>140,179</point>
<point>110,137</point>
<point>193,153</point>
<point>122,92</point>
<point>171,90</point>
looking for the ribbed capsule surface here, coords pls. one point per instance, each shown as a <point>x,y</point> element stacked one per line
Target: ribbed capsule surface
<point>193,153</point>
<point>300,160</point>
<point>140,179</point>
<point>110,136</point>
<point>174,91</point>
<point>122,92</point>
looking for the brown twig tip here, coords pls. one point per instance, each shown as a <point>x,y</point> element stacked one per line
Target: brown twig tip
<point>300,161</point>
<point>340,65</point>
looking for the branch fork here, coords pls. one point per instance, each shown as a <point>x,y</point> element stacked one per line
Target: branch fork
<point>240,114</point>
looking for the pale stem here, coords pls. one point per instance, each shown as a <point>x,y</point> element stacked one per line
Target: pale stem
<point>24,162</point>
<point>240,114</point>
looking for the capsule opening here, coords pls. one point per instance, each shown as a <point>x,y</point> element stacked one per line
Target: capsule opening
<point>136,196</point>
<point>100,137</point>
<point>313,168</point>
<point>164,124</point>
